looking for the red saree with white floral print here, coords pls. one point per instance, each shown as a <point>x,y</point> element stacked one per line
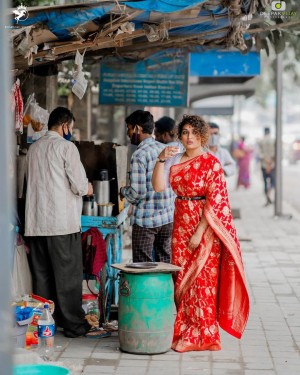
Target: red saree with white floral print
<point>210,290</point>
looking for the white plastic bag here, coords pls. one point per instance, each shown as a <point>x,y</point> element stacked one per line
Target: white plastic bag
<point>79,83</point>
<point>39,119</point>
<point>21,275</point>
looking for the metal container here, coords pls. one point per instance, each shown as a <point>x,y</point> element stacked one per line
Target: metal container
<point>101,190</point>
<point>86,208</point>
<point>89,207</point>
<point>109,208</point>
<point>146,303</point>
<point>105,209</point>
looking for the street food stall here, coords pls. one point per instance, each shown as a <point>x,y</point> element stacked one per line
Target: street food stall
<point>106,167</point>
<point>112,230</point>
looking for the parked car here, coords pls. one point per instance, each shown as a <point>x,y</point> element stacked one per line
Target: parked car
<point>294,151</point>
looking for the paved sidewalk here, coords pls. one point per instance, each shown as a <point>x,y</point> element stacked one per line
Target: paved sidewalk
<point>271,342</point>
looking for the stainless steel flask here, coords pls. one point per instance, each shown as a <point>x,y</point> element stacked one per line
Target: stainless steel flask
<point>101,190</point>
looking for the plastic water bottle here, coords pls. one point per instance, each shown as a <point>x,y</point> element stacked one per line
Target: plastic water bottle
<point>46,330</point>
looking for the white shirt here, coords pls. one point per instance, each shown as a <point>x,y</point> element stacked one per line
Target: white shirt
<point>226,160</point>
<point>56,182</point>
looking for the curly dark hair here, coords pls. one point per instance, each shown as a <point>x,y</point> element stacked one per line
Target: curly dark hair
<point>197,123</point>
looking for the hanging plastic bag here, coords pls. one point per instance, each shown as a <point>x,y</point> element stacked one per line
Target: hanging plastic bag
<point>36,119</point>
<point>79,82</point>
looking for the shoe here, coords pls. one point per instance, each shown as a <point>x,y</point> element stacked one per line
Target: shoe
<point>72,335</point>
<point>97,333</point>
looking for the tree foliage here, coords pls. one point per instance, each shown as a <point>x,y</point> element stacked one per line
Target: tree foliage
<point>277,32</point>
<point>275,29</point>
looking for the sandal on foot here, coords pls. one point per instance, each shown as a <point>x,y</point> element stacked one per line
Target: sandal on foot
<point>97,333</point>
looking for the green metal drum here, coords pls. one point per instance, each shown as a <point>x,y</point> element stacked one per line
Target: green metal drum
<point>146,312</point>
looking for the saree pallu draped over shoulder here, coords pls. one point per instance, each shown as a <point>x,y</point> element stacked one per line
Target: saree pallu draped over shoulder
<point>210,289</point>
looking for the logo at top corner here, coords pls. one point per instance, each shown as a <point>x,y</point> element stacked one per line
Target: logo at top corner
<point>21,13</point>
<point>278,5</point>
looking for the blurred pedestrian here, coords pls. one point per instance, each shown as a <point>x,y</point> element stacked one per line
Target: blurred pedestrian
<point>152,214</point>
<point>210,289</point>
<point>223,155</point>
<point>267,158</point>
<point>243,155</point>
<point>165,132</point>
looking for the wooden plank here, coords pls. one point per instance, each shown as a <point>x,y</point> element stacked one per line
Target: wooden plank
<point>121,40</point>
<point>116,23</point>
<point>186,13</point>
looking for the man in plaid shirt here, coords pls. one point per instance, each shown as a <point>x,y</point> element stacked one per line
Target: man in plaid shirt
<point>152,215</point>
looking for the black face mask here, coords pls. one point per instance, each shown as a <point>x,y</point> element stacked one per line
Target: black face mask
<point>135,139</point>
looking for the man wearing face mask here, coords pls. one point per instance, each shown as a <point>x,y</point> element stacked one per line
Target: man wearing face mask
<point>152,215</point>
<point>56,182</point>
<point>227,162</point>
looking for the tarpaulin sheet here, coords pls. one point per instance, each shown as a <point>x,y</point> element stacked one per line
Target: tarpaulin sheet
<point>63,22</point>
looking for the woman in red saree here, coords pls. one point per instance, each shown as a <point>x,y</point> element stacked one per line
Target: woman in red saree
<point>210,289</point>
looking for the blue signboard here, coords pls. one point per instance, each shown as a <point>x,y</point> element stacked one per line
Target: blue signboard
<point>159,81</point>
<point>224,64</point>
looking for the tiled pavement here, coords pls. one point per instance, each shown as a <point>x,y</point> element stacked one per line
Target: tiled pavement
<point>271,342</point>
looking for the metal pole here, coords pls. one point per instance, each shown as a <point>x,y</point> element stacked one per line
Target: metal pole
<point>89,103</point>
<point>238,121</point>
<point>278,148</point>
<point>6,196</point>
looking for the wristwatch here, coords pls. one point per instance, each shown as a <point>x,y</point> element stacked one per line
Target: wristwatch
<point>161,160</point>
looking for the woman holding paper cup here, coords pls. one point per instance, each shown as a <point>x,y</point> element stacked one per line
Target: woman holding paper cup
<point>210,289</point>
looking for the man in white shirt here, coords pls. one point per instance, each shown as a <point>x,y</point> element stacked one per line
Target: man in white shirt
<point>56,182</point>
<point>226,160</point>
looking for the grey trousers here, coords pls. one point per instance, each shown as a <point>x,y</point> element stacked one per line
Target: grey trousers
<point>56,263</point>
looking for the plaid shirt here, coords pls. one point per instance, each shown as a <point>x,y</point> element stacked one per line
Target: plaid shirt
<point>150,209</point>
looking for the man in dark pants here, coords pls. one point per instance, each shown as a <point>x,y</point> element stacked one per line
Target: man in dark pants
<point>152,216</point>
<point>56,182</point>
